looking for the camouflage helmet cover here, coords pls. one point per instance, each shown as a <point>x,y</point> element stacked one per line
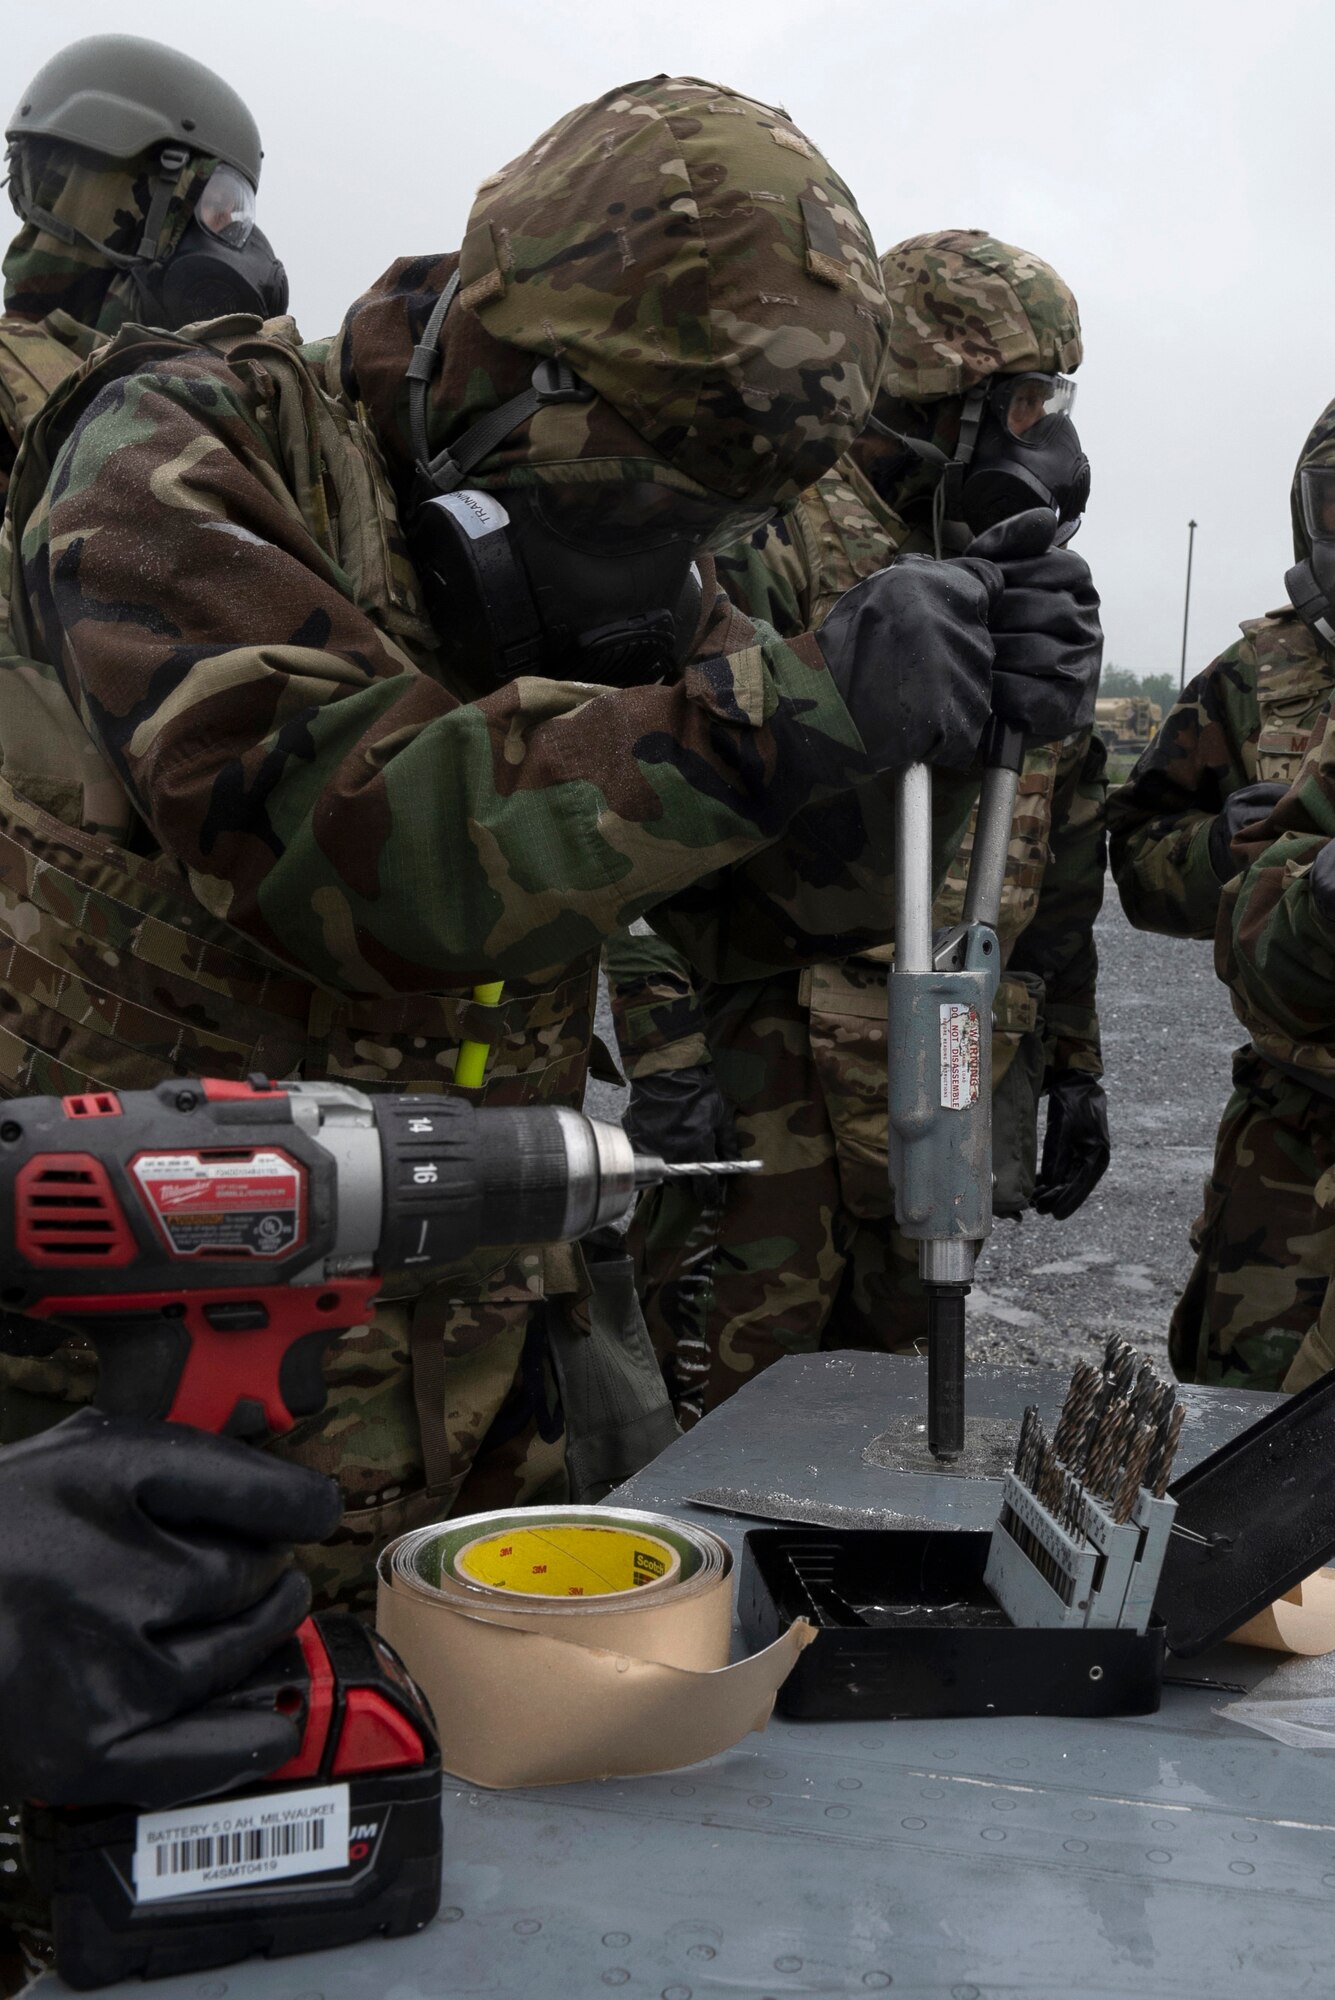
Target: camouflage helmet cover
<point>965,305</point>
<point>698,264</point>
<point>118,95</point>
<point>1318,450</point>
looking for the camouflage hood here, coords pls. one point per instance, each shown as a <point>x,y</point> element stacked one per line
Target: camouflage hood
<point>695,261</point>
<point>904,481</point>
<point>1318,450</point>
<point>105,200</point>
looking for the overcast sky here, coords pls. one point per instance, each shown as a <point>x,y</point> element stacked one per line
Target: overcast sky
<point>1173,160</point>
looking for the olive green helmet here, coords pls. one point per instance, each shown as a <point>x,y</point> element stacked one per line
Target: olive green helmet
<point>119,95</point>
<point>965,305</point>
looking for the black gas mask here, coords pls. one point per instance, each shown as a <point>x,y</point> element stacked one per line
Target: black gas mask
<point>222,264</point>
<point>1311,584</point>
<point>571,579</point>
<point>1017,450</point>
<point>534,581</point>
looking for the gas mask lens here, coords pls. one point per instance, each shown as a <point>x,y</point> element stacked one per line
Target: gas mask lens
<point>1020,403</point>
<point>227,207</point>
<point>631,517</point>
<point>1317,484</point>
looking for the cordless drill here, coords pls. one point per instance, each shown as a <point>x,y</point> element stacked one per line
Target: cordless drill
<point>211,1239</point>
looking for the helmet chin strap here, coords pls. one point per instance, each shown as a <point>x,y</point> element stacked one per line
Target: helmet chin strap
<point>552,382</point>
<point>951,534</point>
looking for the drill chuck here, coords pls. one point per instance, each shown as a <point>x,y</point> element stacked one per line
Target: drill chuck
<point>458,1178</point>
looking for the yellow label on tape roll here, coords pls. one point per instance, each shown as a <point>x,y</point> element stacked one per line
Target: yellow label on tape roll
<point>550,1652</point>
<point>567,1561</point>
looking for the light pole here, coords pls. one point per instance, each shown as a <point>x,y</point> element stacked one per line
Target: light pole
<point>1186,605</point>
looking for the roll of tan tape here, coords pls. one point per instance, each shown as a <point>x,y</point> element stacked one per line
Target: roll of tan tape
<point>538,1678</point>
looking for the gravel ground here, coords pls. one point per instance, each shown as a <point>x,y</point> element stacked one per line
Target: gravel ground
<point>1049,1291</point>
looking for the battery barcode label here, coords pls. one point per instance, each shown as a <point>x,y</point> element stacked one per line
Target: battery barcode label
<point>241,1843</point>
<point>221,1850</point>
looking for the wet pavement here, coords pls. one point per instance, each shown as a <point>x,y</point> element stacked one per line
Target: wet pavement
<point>1049,1291</point>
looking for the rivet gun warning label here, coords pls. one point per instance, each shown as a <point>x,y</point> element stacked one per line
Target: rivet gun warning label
<point>251,1207</point>
<point>961,1056</point>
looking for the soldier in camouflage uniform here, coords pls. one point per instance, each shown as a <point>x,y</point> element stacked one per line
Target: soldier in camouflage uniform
<point>1275,947</point>
<point>793,1070</point>
<point>1223,756</point>
<point>287,831</point>
<point>111,200</point>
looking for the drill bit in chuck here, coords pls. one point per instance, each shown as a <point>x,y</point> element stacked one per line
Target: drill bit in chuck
<point>650,1169</point>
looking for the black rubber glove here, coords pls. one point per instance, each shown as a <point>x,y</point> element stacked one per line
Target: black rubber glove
<point>143,1570</point>
<point>910,652</point>
<point>1240,810</point>
<point>1045,629</point>
<point>1323,882</point>
<point>1076,1146</point>
<point>681,1114</point>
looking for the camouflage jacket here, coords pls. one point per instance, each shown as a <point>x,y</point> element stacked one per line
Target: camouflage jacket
<point>1273,947</point>
<point>1245,718</point>
<point>790,574</point>
<point>35,358</point>
<point>288,756</point>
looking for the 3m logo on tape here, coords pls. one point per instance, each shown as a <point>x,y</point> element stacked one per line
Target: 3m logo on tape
<point>961,1056</point>
<point>237,1844</point>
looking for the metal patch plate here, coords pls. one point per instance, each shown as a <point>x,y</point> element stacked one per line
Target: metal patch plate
<point>989,1447</point>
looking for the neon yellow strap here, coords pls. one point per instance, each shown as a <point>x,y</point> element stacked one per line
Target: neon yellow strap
<point>470,1066</point>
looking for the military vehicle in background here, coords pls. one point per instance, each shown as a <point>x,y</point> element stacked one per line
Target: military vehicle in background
<point>1126,721</point>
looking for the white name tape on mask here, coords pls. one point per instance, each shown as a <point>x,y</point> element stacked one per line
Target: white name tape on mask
<point>477,513</point>
<point>237,1843</point>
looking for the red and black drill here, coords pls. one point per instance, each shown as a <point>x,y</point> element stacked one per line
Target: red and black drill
<point>210,1239</point>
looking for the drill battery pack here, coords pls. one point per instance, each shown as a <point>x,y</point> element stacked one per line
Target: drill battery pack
<point>342,1843</point>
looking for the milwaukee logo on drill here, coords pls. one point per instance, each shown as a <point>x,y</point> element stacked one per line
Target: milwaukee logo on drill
<point>250,1207</point>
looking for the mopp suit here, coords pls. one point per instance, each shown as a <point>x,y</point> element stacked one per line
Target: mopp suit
<point>1264,1239</point>
<point>250,818</point>
<point>806,1254</point>
<point>1275,946</point>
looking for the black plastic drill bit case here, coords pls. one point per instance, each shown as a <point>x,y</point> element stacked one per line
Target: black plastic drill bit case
<point>907,1628</point>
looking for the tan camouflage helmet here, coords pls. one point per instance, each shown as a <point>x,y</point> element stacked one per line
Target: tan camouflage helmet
<point>965,305</point>
<point>694,259</point>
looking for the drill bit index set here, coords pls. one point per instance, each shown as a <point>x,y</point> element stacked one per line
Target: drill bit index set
<point>1084,1522</point>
